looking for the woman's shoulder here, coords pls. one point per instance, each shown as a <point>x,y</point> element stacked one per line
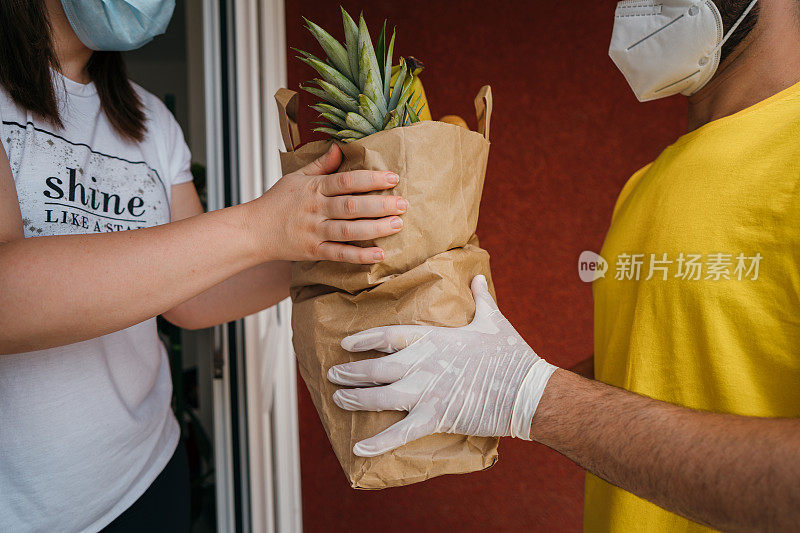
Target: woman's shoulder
<point>154,109</point>
<point>159,119</point>
<point>9,109</point>
<point>164,136</point>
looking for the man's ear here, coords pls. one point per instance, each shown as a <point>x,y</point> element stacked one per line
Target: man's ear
<point>731,11</point>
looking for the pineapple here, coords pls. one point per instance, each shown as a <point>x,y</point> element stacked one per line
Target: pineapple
<point>355,83</point>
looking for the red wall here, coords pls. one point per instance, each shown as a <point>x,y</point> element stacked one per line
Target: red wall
<point>566,134</point>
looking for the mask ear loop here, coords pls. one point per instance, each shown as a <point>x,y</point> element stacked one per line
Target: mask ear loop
<point>707,57</point>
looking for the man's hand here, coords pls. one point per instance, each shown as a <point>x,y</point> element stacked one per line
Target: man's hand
<point>481,379</point>
<point>310,214</point>
<point>725,471</point>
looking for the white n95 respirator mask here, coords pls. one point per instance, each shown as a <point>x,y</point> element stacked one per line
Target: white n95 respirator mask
<point>118,25</point>
<point>666,47</point>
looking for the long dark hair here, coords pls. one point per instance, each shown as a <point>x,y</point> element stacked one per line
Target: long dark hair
<point>27,54</point>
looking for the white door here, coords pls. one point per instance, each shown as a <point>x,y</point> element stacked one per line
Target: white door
<point>255,400</point>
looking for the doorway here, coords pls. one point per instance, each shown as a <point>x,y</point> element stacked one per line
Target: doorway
<point>216,69</point>
<point>171,67</point>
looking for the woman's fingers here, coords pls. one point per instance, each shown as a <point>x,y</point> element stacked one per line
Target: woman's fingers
<point>352,207</point>
<point>347,253</point>
<point>360,230</point>
<point>324,164</point>
<point>337,232</point>
<point>356,181</point>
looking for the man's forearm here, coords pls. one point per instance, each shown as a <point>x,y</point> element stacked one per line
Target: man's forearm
<point>243,294</point>
<point>728,472</point>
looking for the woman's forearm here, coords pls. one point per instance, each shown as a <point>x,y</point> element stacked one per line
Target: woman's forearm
<point>61,290</point>
<point>65,289</point>
<point>245,293</point>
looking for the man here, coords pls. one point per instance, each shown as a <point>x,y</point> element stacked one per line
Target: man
<point>699,319</point>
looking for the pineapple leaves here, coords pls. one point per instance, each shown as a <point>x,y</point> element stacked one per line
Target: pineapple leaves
<point>358,123</point>
<point>370,111</point>
<point>335,51</point>
<point>334,120</point>
<point>306,54</point>
<point>412,115</point>
<point>356,96</point>
<point>319,93</point>
<point>327,108</point>
<point>387,69</point>
<point>380,50</point>
<point>336,96</point>
<point>331,75</point>
<point>374,91</point>
<point>349,134</point>
<point>328,131</point>
<point>351,43</point>
<point>398,84</point>
<point>392,120</point>
<point>407,90</point>
<point>370,81</point>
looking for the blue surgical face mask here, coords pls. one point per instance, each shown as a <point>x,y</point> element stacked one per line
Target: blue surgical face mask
<point>118,25</point>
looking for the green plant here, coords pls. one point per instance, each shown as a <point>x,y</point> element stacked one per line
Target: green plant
<point>359,96</point>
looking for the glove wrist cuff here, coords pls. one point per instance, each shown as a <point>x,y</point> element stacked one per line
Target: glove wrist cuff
<point>528,397</point>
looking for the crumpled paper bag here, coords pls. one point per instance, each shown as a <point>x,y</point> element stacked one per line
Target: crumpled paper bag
<point>424,280</point>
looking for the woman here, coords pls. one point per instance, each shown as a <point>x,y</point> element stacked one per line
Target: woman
<point>87,438</point>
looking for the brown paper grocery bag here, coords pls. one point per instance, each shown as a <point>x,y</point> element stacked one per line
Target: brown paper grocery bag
<point>424,280</point>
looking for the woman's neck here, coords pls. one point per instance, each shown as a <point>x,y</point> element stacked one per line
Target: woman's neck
<point>73,55</point>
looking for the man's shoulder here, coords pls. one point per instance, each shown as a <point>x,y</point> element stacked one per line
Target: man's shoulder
<point>629,186</point>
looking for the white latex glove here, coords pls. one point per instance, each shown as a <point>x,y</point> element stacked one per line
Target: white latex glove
<point>481,379</point>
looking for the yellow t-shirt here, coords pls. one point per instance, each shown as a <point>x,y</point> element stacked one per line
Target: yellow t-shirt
<point>714,223</point>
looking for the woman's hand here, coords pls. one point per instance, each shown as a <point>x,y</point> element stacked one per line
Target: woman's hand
<point>481,379</point>
<point>310,214</point>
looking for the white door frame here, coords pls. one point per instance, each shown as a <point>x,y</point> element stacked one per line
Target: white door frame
<point>265,371</point>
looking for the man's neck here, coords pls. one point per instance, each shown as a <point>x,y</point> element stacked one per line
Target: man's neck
<point>73,55</point>
<point>764,64</point>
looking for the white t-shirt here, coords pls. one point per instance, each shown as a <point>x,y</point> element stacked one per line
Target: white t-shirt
<point>86,428</point>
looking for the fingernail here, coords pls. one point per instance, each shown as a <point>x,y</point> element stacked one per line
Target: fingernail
<point>397,223</point>
<point>393,178</point>
<point>378,256</point>
<point>402,205</point>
